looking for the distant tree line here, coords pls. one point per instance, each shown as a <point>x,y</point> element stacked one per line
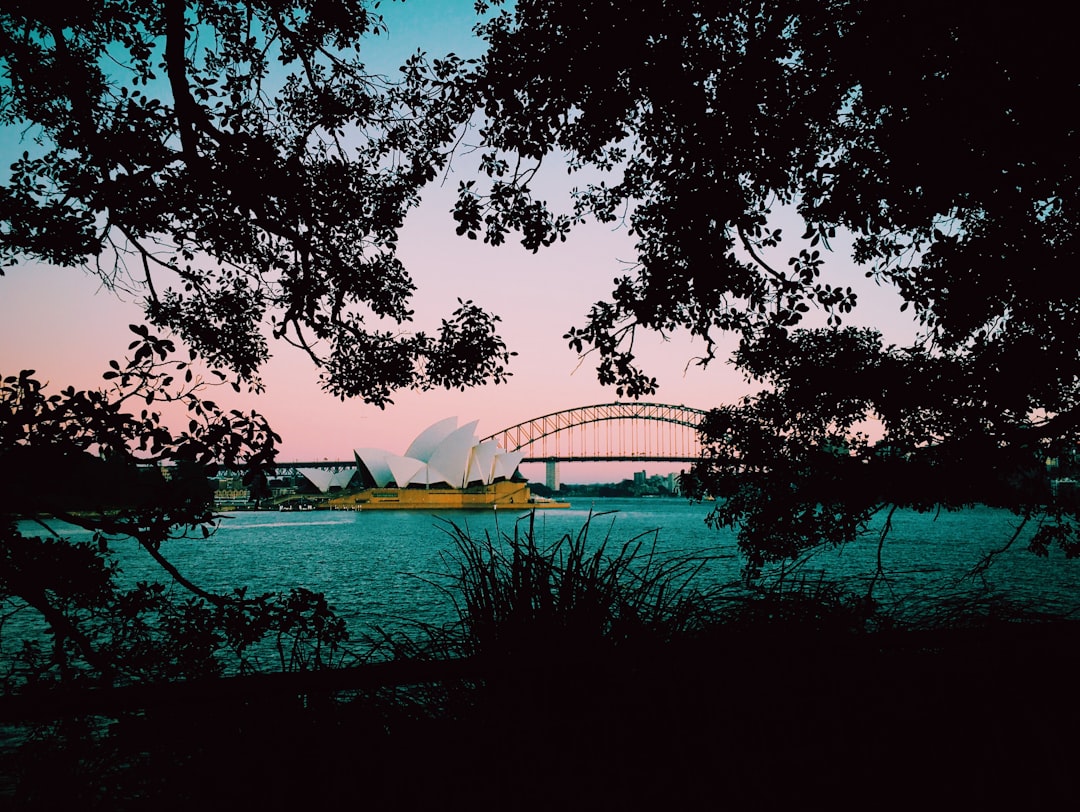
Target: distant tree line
<point>655,485</point>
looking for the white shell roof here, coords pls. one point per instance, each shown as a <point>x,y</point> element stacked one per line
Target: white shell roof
<point>325,480</point>
<point>451,457</point>
<point>405,469</point>
<point>428,440</point>
<point>506,463</point>
<point>375,460</point>
<point>443,452</point>
<point>482,462</point>
<point>430,475</point>
<point>342,478</point>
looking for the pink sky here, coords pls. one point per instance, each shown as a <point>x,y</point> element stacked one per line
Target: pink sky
<point>61,323</point>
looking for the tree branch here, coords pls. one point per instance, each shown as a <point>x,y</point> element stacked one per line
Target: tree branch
<point>879,570</point>
<point>980,569</point>
<point>748,245</point>
<point>63,628</point>
<point>176,67</point>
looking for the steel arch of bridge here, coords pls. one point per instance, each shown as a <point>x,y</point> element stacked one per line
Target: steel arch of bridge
<point>608,432</point>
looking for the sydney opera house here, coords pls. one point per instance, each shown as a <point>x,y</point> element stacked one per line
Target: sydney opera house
<point>445,467</point>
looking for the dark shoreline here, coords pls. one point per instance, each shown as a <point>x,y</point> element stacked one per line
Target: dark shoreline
<point>768,715</point>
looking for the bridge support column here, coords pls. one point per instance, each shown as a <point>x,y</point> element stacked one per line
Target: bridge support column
<point>552,480</point>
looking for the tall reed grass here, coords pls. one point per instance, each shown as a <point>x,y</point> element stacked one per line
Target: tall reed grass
<point>516,597</point>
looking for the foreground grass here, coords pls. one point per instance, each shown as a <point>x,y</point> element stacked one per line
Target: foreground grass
<point>602,679</point>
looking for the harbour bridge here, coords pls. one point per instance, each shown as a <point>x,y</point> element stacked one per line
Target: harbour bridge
<point>604,432</point>
<point>609,432</point>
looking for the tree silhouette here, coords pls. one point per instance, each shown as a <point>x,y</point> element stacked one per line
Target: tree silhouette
<point>237,164</point>
<point>266,176</point>
<point>82,458</point>
<point>922,135</point>
<point>234,161</point>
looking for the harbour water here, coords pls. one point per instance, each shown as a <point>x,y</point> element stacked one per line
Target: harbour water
<point>382,569</point>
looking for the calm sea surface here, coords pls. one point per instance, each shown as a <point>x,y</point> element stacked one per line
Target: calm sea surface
<point>377,568</point>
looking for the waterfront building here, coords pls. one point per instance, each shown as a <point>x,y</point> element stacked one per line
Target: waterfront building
<point>445,467</point>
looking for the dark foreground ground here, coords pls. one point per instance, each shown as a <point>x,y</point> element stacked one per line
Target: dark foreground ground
<point>976,717</point>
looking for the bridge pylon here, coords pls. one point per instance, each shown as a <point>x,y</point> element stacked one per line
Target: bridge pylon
<point>552,480</point>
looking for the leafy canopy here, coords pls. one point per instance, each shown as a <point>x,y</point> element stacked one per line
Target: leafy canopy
<point>107,461</point>
<point>236,162</point>
<point>931,137</point>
